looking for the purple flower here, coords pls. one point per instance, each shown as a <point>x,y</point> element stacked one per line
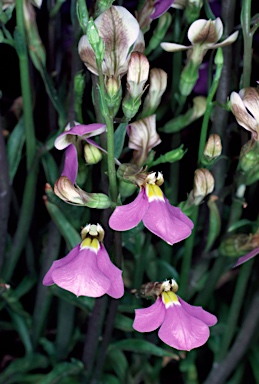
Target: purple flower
<point>160,7</point>
<point>87,270</point>
<point>69,140</point>
<point>182,326</point>
<point>157,214</point>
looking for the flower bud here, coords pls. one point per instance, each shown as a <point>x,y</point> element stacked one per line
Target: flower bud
<point>92,154</point>
<point>249,155</point>
<point>203,183</point>
<point>192,10</point>
<point>113,86</point>
<point>74,195</point>
<point>137,74</point>
<point>95,40</point>
<point>157,86</point>
<point>212,150</point>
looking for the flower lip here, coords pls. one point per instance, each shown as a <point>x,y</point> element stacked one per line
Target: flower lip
<point>84,131</point>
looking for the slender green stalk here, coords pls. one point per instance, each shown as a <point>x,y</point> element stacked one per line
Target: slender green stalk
<point>187,257</point>
<point>24,222</point>
<point>213,277</point>
<point>234,311</point>
<point>213,89</point>
<point>20,45</point>
<point>65,326</point>
<point>110,136</point>
<point>248,39</point>
<point>5,197</point>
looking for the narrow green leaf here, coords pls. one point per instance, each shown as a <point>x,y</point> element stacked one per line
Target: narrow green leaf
<point>109,379</point>
<point>159,270</point>
<point>61,372</point>
<point>14,148</point>
<point>23,330</point>
<point>119,137</point>
<point>25,364</point>
<point>69,233</point>
<point>25,286</point>
<point>214,224</point>
<point>123,323</point>
<point>243,223</point>
<point>141,346</point>
<point>117,360</point>
<point>50,168</point>
<point>170,157</point>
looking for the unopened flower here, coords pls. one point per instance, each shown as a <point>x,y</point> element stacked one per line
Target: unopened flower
<point>87,270</point>
<point>245,106</point>
<point>92,154</point>
<point>157,214</point>
<point>121,35</point>
<point>137,74</point>
<point>70,139</point>
<point>239,244</point>
<point>203,184</point>
<point>213,147</point>
<point>74,195</point>
<point>182,326</point>
<point>142,138</point>
<point>157,86</point>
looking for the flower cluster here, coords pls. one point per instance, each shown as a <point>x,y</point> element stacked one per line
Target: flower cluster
<point>113,48</point>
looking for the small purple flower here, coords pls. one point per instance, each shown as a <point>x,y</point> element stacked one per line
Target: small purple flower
<point>157,214</point>
<point>87,270</point>
<point>69,139</point>
<point>182,326</point>
<point>160,7</point>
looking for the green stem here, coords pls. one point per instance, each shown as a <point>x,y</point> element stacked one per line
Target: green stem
<point>234,311</point>
<point>248,39</point>
<point>188,250</point>
<point>206,118</point>
<point>110,136</point>
<point>24,222</point>
<point>213,277</point>
<point>65,327</point>
<point>20,45</point>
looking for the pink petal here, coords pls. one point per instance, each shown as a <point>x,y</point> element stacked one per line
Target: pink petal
<point>59,263</point>
<point>167,222</point>
<point>82,276</point>
<point>161,6</point>
<point>70,163</point>
<point>182,331</point>
<point>113,273</point>
<point>149,319</point>
<point>199,313</point>
<point>87,130</point>
<point>247,257</point>
<point>128,216</point>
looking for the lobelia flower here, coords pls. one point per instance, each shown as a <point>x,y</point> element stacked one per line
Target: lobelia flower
<point>69,140</point>
<point>142,138</point>
<point>87,270</point>
<point>245,106</point>
<point>64,187</point>
<point>153,208</point>
<point>203,35</point>
<point>121,35</point>
<point>182,326</point>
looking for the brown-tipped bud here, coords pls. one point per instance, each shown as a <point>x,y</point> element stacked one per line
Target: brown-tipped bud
<point>249,156</point>
<point>213,148</point>
<point>131,173</point>
<point>113,86</point>
<point>157,86</point>
<point>203,185</point>
<point>74,195</point>
<point>94,231</point>
<point>137,74</point>
<point>92,154</point>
